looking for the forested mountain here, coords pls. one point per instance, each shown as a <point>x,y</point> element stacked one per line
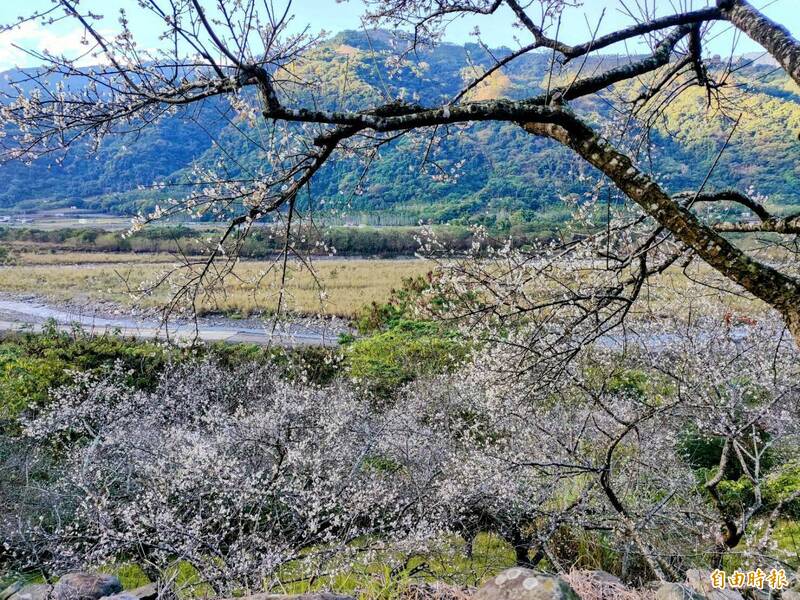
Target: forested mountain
<point>495,172</point>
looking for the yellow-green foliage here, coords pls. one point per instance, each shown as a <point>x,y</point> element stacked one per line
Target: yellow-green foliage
<point>410,349</point>
<point>333,72</point>
<point>31,366</point>
<point>766,122</point>
<point>780,485</point>
<point>387,575</point>
<point>495,86</point>
<point>787,536</point>
<point>130,575</point>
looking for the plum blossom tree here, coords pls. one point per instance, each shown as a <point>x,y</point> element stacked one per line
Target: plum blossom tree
<point>239,473</point>
<point>251,478</point>
<point>621,429</point>
<point>225,49</point>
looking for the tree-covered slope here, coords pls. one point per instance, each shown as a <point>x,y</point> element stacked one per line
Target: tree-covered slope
<point>484,172</point>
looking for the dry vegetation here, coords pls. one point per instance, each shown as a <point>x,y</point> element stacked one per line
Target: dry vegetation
<point>348,284</point>
<point>84,259</point>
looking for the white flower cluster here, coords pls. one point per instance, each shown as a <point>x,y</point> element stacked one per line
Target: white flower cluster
<point>243,473</point>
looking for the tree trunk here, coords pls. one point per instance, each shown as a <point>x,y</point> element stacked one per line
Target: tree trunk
<point>521,548</point>
<point>792,317</point>
<point>521,556</point>
<point>780,291</point>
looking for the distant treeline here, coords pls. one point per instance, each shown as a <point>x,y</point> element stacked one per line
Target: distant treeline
<point>260,243</point>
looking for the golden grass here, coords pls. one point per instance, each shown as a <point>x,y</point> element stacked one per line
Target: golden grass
<point>89,258</point>
<point>348,284</point>
<point>706,292</point>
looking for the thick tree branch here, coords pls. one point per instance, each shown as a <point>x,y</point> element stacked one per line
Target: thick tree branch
<point>777,289</point>
<point>787,225</point>
<point>680,19</point>
<point>570,52</point>
<point>767,223</point>
<point>727,196</point>
<point>773,37</point>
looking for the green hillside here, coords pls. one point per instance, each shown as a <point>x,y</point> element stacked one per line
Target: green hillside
<point>499,175</point>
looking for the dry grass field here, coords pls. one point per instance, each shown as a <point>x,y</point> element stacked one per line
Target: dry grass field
<point>348,284</point>
<point>83,259</point>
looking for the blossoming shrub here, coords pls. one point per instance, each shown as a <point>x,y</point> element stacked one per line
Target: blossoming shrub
<point>250,479</point>
<point>235,471</point>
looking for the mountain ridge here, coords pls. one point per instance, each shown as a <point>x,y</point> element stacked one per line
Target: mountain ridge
<point>495,171</point>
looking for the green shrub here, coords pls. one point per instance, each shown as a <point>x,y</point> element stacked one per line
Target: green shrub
<point>703,451</point>
<point>32,364</point>
<point>630,381</point>
<point>380,317</point>
<point>25,381</point>
<point>410,349</point>
<point>736,493</point>
<point>780,485</point>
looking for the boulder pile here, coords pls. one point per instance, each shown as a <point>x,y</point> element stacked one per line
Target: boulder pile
<point>512,584</point>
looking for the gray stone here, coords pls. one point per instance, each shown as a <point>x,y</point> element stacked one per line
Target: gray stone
<point>145,592</point>
<point>700,581</point>
<point>677,591</point>
<point>11,590</point>
<point>763,594</point>
<point>37,591</point>
<point>790,595</point>
<point>86,586</point>
<point>310,596</point>
<point>524,584</point>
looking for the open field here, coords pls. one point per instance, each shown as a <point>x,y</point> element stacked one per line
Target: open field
<point>74,277</point>
<point>347,284</point>
<point>84,259</point>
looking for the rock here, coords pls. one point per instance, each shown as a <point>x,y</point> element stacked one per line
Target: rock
<point>525,584</point>
<point>677,591</point>
<point>11,590</point>
<point>145,592</point>
<point>790,595</point>
<point>794,586</point>
<point>86,586</point>
<point>38,591</point>
<point>310,596</point>
<point>763,594</point>
<point>700,582</point>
